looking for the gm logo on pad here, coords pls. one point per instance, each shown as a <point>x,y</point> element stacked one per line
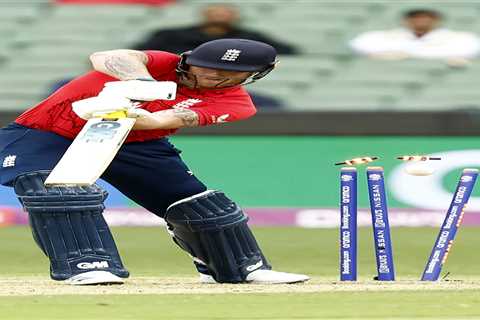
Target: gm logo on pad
<point>93,265</point>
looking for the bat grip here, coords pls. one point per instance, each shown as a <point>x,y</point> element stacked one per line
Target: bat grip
<point>115,115</point>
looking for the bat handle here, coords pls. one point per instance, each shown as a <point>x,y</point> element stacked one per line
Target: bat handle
<point>115,115</point>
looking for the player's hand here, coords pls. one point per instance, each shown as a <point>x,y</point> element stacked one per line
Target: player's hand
<point>141,90</point>
<point>97,106</point>
<point>137,113</point>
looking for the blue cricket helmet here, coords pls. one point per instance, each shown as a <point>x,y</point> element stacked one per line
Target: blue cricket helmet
<point>234,55</point>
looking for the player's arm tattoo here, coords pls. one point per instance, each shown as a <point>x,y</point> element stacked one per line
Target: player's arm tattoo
<point>188,117</point>
<point>122,64</point>
<point>121,67</point>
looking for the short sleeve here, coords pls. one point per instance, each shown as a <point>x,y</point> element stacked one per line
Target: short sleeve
<point>369,42</point>
<point>161,62</point>
<point>225,109</point>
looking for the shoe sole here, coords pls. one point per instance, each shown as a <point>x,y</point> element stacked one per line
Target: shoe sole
<point>211,281</point>
<point>94,278</point>
<point>278,282</point>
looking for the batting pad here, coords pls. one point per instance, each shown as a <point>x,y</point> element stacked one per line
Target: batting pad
<point>68,225</point>
<point>213,229</point>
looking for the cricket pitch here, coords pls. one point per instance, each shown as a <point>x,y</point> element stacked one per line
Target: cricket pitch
<point>26,286</point>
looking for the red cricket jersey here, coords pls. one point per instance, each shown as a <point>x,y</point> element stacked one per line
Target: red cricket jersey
<point>213,106</point>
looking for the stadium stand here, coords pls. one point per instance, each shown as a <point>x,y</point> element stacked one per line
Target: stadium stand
<point>43,42</point>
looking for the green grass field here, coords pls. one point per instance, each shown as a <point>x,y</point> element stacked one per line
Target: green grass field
<point>163,285</point>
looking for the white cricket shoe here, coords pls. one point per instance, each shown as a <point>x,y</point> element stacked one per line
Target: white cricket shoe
<point>94,277</point>
<point>264,277</point>
<point>275,277</point>
<point>205,278</point>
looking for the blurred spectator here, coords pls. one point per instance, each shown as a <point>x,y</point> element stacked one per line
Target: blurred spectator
<point>264,102</point>
<point>219,21</point>
<point>57,85</point>
<point>421,37</point>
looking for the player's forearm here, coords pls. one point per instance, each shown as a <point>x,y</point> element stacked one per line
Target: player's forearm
<point>167,119</point>
<point>121,64</point>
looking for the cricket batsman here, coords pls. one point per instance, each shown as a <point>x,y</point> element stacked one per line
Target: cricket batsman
<point>67,221</point>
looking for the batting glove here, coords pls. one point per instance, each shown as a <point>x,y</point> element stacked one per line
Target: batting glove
<point>97,106</point>
<point>141,90</point>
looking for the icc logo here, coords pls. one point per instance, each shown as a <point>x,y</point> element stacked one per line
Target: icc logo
<point>374,177</point>
<point>346,178</point>
<point>466,178</point>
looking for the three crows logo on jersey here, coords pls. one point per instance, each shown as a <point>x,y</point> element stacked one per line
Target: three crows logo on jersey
<point>186,103</point>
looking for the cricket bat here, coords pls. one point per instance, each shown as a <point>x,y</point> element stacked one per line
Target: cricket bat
<point>92,150</point>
